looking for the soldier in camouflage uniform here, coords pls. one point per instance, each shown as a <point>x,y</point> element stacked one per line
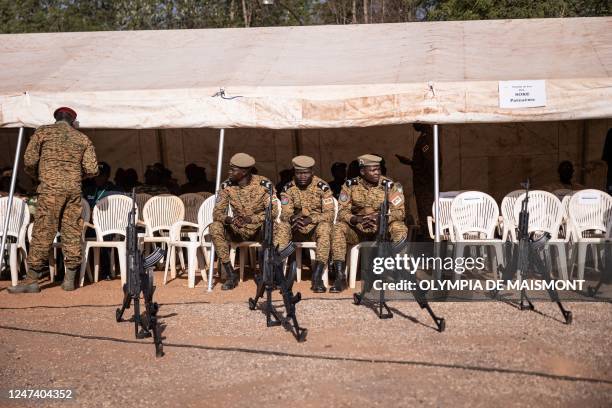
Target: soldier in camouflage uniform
<point>307,215</point>
<point>60,157</point>
<point>247,194</point>
<point>359,203</point>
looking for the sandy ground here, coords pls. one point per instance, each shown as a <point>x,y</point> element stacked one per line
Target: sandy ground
<point>219,353</point>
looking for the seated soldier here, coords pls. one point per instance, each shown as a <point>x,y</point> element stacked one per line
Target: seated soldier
<point>248,196</point>
<point>307,215</point>
<point>359,203</point>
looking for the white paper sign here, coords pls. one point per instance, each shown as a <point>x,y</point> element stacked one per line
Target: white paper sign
<point>522,94</point>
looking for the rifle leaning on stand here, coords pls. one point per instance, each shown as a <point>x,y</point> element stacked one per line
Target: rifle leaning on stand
<point>272,277</point>
<point>527,257</point>
<point>140,280</point>
<point>385,248</point>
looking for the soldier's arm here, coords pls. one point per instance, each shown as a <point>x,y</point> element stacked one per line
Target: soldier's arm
<point>397,211</point>
<point>327,208</point>
<point>259,218</point>
<point>345,204</point>
<point>90,162</point>
<point>286,206</point>
<point>221,205</point>
<point>32,154</point>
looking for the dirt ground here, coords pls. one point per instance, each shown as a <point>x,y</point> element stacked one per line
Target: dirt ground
<point>219,353</point>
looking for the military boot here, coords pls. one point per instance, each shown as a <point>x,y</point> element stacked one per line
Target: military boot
<point>29,284</point>
<point>317,278</point>
<point>231,278</point>
<point>69,277</point>
<point>340,282</point>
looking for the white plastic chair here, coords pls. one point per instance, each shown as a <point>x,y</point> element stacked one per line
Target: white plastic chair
<point>192,203</point>
<point>311,246</point>
<point>17,228</point>
<point>246,246</point>
<point>590,213</point>
<point>160,213</point>
<point>196,241</point>
<point>110,217</point>
<point>475,216</point>
<point>446,230</point>
<point>508,220</point>
<point>545,215</point>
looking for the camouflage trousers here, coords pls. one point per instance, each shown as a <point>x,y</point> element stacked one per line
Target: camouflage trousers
<point>57,211</point>
<point>321,234</point>
<point>344,234</point>
<point>222,235</point>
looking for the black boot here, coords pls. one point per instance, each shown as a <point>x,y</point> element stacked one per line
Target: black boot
<point>317,278</point>
<point>29,284</point>
<point>69,276</point>
<point>231,278</point>
<point>340,283</point>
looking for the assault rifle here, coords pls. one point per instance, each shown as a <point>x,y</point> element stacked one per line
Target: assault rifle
<point>385,248</point>
<point>140,280</point>
<point>271,277</point>
<point>528,257</point>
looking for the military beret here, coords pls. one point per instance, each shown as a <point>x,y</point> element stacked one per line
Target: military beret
<point>369,160</point>
<point>67,110</point>
<point>302,162</point>
<point>242,160</point>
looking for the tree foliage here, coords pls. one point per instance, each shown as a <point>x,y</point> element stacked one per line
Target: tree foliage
<point>95,15</point>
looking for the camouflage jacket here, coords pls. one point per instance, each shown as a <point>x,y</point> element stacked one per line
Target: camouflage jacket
<point>357,198</point>
<point>315,201</point>
<point>60,156</point>
<point>250,200</point>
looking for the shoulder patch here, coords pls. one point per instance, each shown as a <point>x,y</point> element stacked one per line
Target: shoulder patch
<point>266,183</point>
<point>388,183</point>
<point>323,186</point>
<point>343,197</point>
<point>226,183</point>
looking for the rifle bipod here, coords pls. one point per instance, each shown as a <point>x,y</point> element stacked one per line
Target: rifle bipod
<point>273,317</point>
<point>144,326</point>
<point>525,304</point>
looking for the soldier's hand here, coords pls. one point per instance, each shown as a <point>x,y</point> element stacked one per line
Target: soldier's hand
<point>247,220</point>
<point>228,220</point>
<point>357,219</point>
<point>238,221</point>
<point>403,159</point>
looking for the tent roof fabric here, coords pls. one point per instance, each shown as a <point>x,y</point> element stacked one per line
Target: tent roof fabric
<point>307,77</point>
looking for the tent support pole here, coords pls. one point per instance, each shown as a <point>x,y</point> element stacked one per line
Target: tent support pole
<point>436,147</point>
<point>217,185</point>
<point>10,198</point>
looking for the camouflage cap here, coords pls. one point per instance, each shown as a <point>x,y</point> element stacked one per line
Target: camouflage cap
<point>242,160</point>
<point>302,162</point>
<point>369,160</point>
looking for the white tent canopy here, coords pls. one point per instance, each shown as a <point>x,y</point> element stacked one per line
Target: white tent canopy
<point>307,77</point>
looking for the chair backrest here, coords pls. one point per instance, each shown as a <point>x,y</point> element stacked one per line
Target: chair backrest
<point>141,200</point>
<point>474,212</point>
<point>590,210</point>
<point>192,203</point>
<point>446,223</point>
<point>205,213</point>
<point>160,212</point>
<point>20,217</point>
<point>205,194</point>
<point>545,212</point>
<point>110,215</point>
<point>507,208</point>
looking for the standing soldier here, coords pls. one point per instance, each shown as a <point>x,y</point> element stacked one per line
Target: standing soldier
<point>359,203</point>
<point>308,214</point>
<point>60,157</point>
<point>248,196</point>
<point>422,173</point>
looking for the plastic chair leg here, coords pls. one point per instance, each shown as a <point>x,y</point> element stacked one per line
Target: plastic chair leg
<point>13,264</point>
<point>96,252</point>
<point>354,259</point>
<point>170,249</point>
<point>192,260</point>
<point>243,252</point>
<point>298,263</point>
<point>582,249</point>
<point>84,265</point>
<point>121,250</point>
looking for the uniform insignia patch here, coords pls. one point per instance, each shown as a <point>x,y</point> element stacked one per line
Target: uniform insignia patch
<point>284,200</point>
<point>328,200</point>
<point>396,200</point>
<point>343,197</point>
<point>351,182</point>
<point>323,186</point>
